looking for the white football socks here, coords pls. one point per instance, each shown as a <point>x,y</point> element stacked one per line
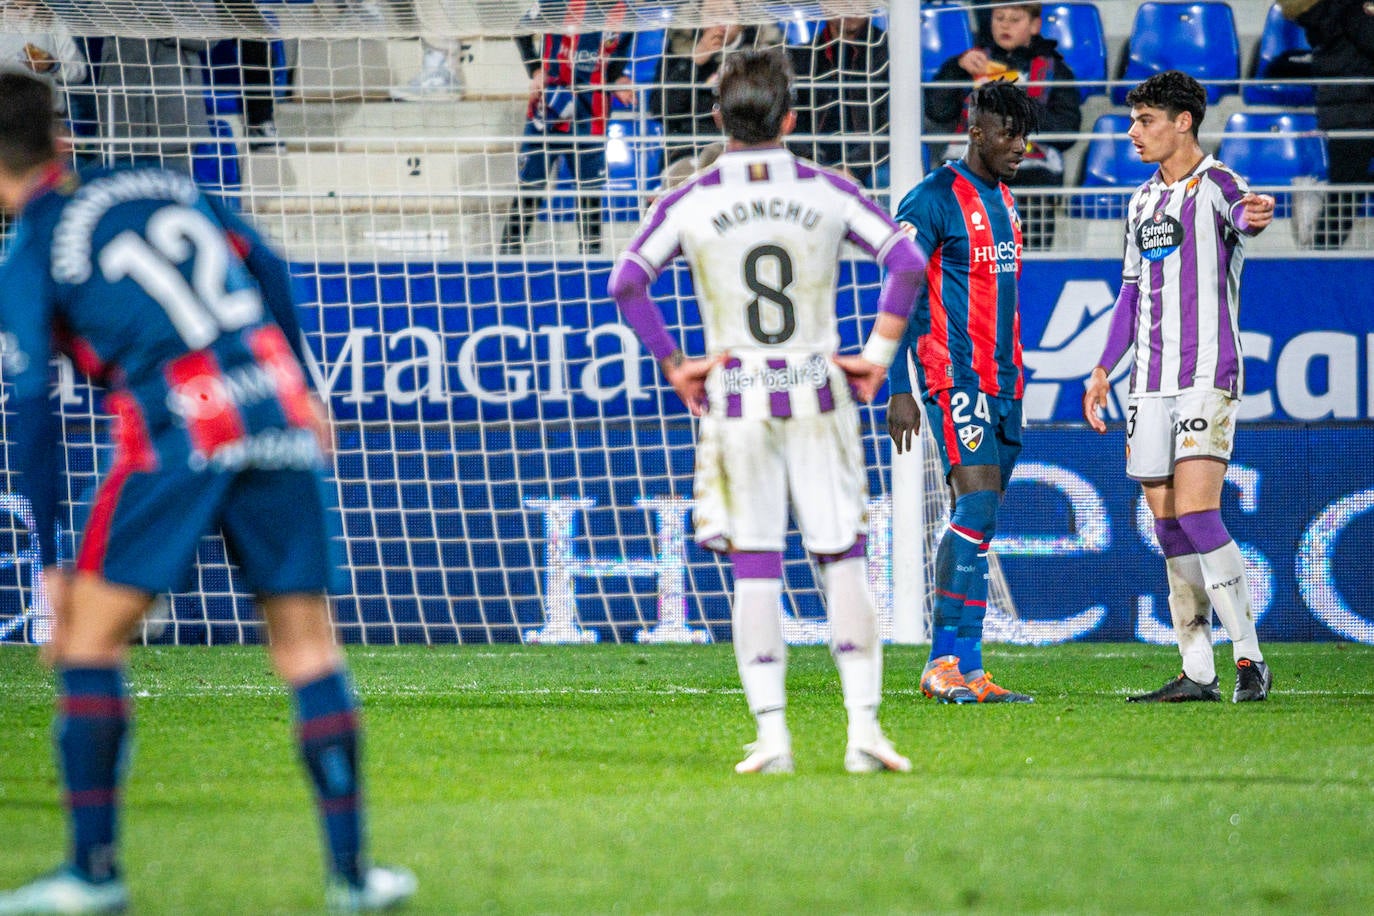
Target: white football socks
<point>1224,571</point>
<point>1192,616</point>
<point>761,655</point>
<point>854,644</point>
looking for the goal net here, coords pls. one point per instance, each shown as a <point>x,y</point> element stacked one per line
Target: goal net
<point>510,466</point>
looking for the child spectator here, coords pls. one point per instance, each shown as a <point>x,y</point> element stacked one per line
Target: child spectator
<point>1019,52</point>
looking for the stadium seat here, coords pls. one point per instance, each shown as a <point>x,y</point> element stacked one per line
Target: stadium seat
<point>799,31</point>
<point>1290,147</point>
<point>1279,37</point>
<point>946,30</point>
<point>634,162</point>
<point>215,163</point>
<point>1077,27</point>
<point>1109,162</point>
<point>1197,38</point>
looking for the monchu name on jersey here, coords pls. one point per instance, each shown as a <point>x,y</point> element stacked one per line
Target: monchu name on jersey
<point>774,208</point>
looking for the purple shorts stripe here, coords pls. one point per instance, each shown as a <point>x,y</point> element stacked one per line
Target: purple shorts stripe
<point>779,402</point>
<point>859,549</point>
<point>336,723</point>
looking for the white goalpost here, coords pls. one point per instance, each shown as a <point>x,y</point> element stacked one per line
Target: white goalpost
<point>510,467</point>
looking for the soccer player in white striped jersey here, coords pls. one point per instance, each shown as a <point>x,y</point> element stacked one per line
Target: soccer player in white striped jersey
<point>1179,304</point>
<point>763,232</point>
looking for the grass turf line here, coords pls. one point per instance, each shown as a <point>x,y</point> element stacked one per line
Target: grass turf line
<point>598,779</point>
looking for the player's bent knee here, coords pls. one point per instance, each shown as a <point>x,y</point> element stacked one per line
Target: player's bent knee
<point>976,512</point>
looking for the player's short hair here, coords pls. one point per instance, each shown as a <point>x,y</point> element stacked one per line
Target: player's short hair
<point>755,94</point>
<point>28,122</point>
<point>1005,100</point>
<point>1173,91</point>
<point>1034,10</point>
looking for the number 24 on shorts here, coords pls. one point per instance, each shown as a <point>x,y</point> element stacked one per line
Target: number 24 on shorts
<point>959,404</point>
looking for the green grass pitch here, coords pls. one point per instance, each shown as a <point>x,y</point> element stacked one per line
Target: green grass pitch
<point>599,780</point>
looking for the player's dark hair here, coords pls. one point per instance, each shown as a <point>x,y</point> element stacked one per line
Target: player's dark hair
<point>1173,91</point>
<point>28,122</point>
<point>1008,101</point>
<point>755,94</point>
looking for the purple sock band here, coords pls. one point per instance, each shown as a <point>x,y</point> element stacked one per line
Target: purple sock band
<point>763,564</point>
<point>1173,540</point>
<point>1205,529</point>
<point>858,550</point>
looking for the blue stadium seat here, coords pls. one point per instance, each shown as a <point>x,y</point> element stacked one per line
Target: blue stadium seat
<point>1280,36</point>
<point>215,163</point>
<point>1197,38</point>
<point>1290,147</point>
<point>946,30</point>
<point>1077,27</point>
<point>799,31</point>
<point>634,162</point>
<point>1109,162</point>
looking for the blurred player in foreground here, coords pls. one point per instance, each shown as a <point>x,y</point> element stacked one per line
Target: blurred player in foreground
<point>168,299</point>
<point>1179,304</point>
<point>966,340</point>
<point>762,231</point>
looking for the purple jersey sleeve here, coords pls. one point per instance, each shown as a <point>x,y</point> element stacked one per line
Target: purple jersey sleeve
<point>1121,332</point>
<point>629,287</point>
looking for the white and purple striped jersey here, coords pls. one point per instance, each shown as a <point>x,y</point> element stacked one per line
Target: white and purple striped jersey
<point>763,232</point>
<point>1185,246</point>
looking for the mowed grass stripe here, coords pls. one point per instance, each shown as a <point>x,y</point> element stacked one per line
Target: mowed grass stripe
<point>598,779</point>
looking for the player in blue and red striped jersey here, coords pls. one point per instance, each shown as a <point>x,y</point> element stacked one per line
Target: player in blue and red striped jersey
<point>571,70</point>
<point>176,306</point>
<point>966,339</point>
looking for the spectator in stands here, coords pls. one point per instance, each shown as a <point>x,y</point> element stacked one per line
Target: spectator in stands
<point>254,73</point>
<point>842,91</point>
<point>156,99</point>
<point>569,69</point>
<point>1341,33</point>
<point>33,38</point>
<point>1017,51</point>
<point>441,72</point>
<point>685,81</point>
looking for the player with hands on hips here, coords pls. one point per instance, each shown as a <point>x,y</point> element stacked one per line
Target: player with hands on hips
<point>764,232</point>
<point>1178,310</point>
<point>173,303</point>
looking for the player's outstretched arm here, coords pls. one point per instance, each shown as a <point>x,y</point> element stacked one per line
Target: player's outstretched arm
<point>1257,214</point>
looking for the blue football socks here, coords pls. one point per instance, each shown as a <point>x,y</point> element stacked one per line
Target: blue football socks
<point>91,731</point>
<point>327,725</point>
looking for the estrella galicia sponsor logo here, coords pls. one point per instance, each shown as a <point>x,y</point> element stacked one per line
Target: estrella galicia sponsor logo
<point>1160,237</point>
<point>971,436</point>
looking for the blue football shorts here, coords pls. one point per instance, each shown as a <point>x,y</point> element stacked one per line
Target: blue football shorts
<point>279,525</point>
<point>975,428</point>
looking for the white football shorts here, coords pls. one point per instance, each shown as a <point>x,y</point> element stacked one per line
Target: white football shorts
<point>745,469</point>
<point>1160,431</point>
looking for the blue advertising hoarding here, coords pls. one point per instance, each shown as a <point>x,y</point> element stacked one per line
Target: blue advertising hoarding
<point>510,467</point>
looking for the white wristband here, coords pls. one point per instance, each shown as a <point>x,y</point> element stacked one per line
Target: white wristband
<point>880,350</point>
